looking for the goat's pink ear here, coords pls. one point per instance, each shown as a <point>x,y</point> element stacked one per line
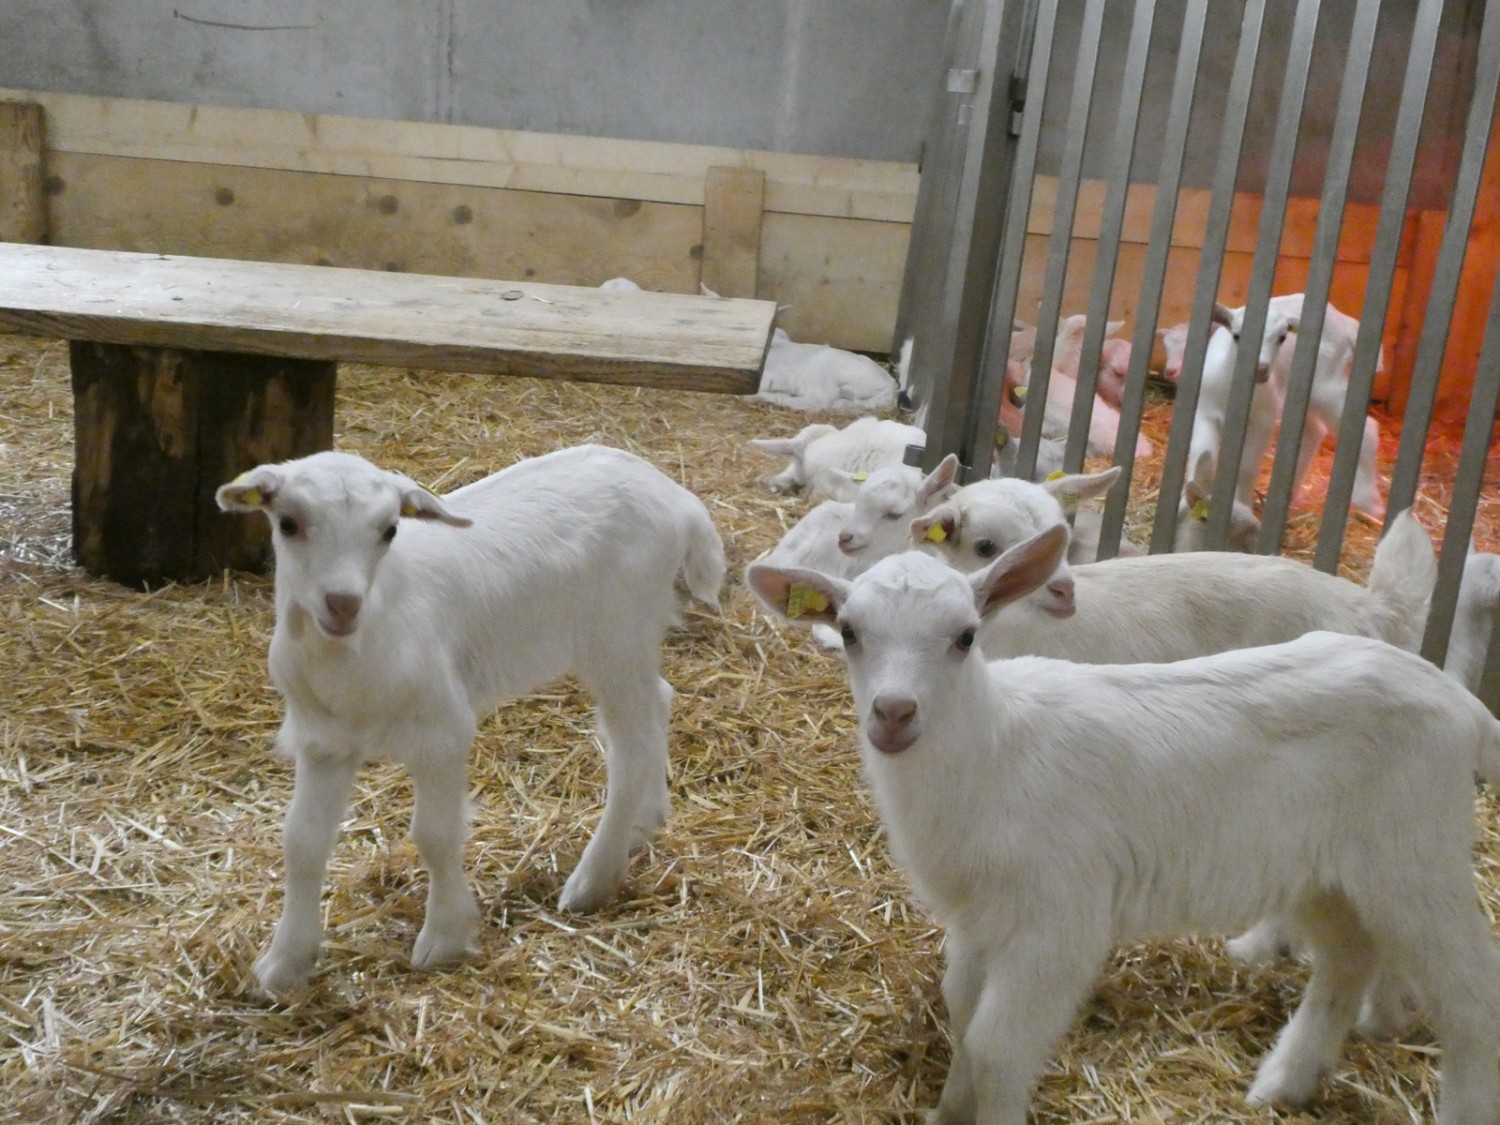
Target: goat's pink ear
<point>419,504</point>
<point>251,491</point>
<point>776,447</point>
<point>941,525</point>
<point>1020,570</point>
<point>798,595</point>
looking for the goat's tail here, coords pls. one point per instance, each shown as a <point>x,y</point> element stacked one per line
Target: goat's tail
<point>1402,578</point>
<point>703,562</point>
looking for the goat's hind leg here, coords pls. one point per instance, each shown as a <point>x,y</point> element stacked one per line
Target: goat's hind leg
<point>634,710</point>
<point>439,824</point>
<point>1344,961</point>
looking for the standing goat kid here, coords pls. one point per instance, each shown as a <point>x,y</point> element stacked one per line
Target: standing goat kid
<point>1046,811</point>
<point>395,645</point>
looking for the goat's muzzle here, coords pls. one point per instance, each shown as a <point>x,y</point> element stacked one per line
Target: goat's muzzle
<point>892,726</point>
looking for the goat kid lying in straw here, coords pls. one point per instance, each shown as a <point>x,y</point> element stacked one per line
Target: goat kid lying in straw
<point>1046,811</point>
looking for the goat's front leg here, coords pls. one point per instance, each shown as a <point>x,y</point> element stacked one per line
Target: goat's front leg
<point>963,983</point>
<point>319,796</point>
<point>1031,989</point>
<point>439,825</point>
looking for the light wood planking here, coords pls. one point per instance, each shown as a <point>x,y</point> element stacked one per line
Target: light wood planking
<point>23,203</point>
<point>733,200</point>
<point>403,320</point>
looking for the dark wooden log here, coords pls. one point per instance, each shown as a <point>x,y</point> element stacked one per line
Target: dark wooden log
<point>158,430</point>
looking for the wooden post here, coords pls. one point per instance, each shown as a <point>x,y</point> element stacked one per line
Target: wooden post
<point>158,430</point>
<point>732,205</point>
<point>23,200</point>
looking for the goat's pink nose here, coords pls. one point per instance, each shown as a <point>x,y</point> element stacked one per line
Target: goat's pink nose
<point>344,607</point>
<point>846,541</point>
<point>895,710</point>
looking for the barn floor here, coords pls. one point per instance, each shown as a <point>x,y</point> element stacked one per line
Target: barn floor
<point>766,963</point>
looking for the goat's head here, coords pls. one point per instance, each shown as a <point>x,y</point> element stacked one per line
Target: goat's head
<point>908,624</point>
<point>334,516</point>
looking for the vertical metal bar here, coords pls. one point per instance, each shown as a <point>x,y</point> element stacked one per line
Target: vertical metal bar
<point>1379,279</point>
<point>1263,271</point>
<point>970,269</point>
<point>1434,340</point>
<point>985,410</point>
<point>1069,175</point>
<point>1174,148</point>
<point>1320,278</point>
<point>1471,462</point>
<point>937,199</point>
<point>1110,224</point>
<point>1211,261</point>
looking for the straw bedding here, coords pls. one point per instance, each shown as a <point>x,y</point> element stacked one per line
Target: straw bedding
<point>766,963</point>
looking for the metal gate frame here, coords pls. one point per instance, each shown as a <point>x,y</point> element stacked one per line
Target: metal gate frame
<point>964,264</point>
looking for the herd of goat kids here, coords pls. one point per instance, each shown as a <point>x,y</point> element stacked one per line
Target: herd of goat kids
<point>1062,751</point>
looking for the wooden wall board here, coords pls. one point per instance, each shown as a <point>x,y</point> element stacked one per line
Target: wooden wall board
<point>255,213</point>
<point>837,282</point>
<point>23,203</point>
<point>733,203</point>
<point>468,155</point>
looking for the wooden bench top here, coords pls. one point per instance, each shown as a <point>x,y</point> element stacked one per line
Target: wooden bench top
<point>565,332</point>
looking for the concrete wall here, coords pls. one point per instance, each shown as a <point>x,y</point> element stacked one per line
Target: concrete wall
<point>832,77</point>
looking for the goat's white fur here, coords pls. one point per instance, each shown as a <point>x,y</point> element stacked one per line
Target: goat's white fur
<point>823,456</point>
<point>1046,811</point>
<point>397,647</point>
<point>818,377</point>
<point>1157,608</point>
<point>1474,619</point>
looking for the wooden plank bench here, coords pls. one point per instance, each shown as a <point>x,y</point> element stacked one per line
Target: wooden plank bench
<point>187,370</point>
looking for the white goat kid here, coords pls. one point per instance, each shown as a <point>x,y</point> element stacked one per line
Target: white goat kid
<point>879,522</point>
<point>823,456</point>
<point>1157,608</point>
<point>1046,811</point>
<point>818,377</point>
<point>396,645</point>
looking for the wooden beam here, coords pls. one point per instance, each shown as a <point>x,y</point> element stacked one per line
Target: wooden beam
<point>23,200</point>
<point>733,199</point>
<point>369,316</point>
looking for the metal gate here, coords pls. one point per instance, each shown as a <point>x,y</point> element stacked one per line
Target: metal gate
<point>1075,95</point>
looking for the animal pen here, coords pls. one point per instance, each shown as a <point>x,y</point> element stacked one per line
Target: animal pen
<point>766,961</point>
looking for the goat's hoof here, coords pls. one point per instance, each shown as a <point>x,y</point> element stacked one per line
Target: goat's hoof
<point>1276,1086</point>
<point>434,952</point>
<point>583,894</point>
<point>278,972</point>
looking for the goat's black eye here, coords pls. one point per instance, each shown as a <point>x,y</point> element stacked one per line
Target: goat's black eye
<point>986,549</point>
<point>1236,336</point>
<point>965,640</point>
<point>848,636</point>
<point>288,525</point>
<point>894,515</point>
<point>389,534</point>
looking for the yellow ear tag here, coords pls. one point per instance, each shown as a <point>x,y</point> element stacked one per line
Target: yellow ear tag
<point>936,534</point>
<point>252,497</point>
<point>802,600</point>
<point>408,509</point>
<point>860,478</point>
<point>1199,511</point>
<point>1002,438</point>
<point>1057,475</point>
